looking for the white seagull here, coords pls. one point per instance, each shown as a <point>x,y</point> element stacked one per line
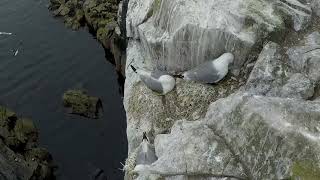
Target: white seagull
<point>210,71</point>
<point>145,157</point>
<point>157,81</point>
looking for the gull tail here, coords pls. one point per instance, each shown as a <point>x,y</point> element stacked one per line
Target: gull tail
<point>145,136</point>
<point>133,68</point>
<point>178,76</point>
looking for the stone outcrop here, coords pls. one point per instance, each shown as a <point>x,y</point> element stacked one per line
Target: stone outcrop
<point>20,156</point>
<point>80,103</point>
<point>243,136</point>
<point>260,122</point>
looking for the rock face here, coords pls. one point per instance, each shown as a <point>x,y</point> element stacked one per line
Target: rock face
<point>20,156</point>
<point>82,104</point>
<point>177,35</point>
<point>261,122</point>
<point>244,136</point>
<point>272,77</point>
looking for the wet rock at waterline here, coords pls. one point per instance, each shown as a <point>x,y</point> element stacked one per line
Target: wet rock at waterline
<point>101,16</point>
<point>75,13</point>
<point>20,156</point>
<point>80,103</point>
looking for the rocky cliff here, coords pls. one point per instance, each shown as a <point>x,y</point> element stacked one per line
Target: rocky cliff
<point>261,122</point>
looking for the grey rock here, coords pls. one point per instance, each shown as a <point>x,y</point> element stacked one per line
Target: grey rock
<point>316,7</point>
<point>272,77</point>
<point>299,12</point>
<point>250,137</point>
<point>298,86</point>
<point>139,12</point>
<point>189,150</point>
<point>306,58</point>
<point>269,73</point>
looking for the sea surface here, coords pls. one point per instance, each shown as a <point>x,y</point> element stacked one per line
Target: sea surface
<point>51,59</point>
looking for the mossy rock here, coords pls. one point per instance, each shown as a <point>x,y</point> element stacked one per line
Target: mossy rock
<point>44,171</point>
<point>72,23</point>
<point>25,131</point>
<point>38,154</point>
<point>305,171</point>
<point>155,7</point>
<point>7,118</point>
<point>82,104</point>
<point>13,143</point>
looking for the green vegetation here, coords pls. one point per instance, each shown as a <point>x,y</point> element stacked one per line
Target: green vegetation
<point>305,171</point>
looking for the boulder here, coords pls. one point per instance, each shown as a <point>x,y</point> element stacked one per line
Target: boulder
<point>79,102</point>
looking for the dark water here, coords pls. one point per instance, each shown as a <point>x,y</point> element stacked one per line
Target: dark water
<point>52,59</point>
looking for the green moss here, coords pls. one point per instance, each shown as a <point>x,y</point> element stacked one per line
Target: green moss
<point>102,34</point>
<point>82,104</point>
<point>305,171</point>
<point>155,7</point>
<point>104,22</point>
<point>6,113</point>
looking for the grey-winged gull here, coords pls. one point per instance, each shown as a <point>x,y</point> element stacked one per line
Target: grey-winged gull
<point>5,33</point>
<point>157,81</point>
<point>210,71</point>
<point>146,155</point>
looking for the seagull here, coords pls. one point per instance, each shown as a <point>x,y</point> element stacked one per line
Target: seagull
<point>5,33</point>
<point>146,153</point>
<point>16,51</point>
<point>157,81</point>
<point>145,157</point>
<point>210,71</point>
